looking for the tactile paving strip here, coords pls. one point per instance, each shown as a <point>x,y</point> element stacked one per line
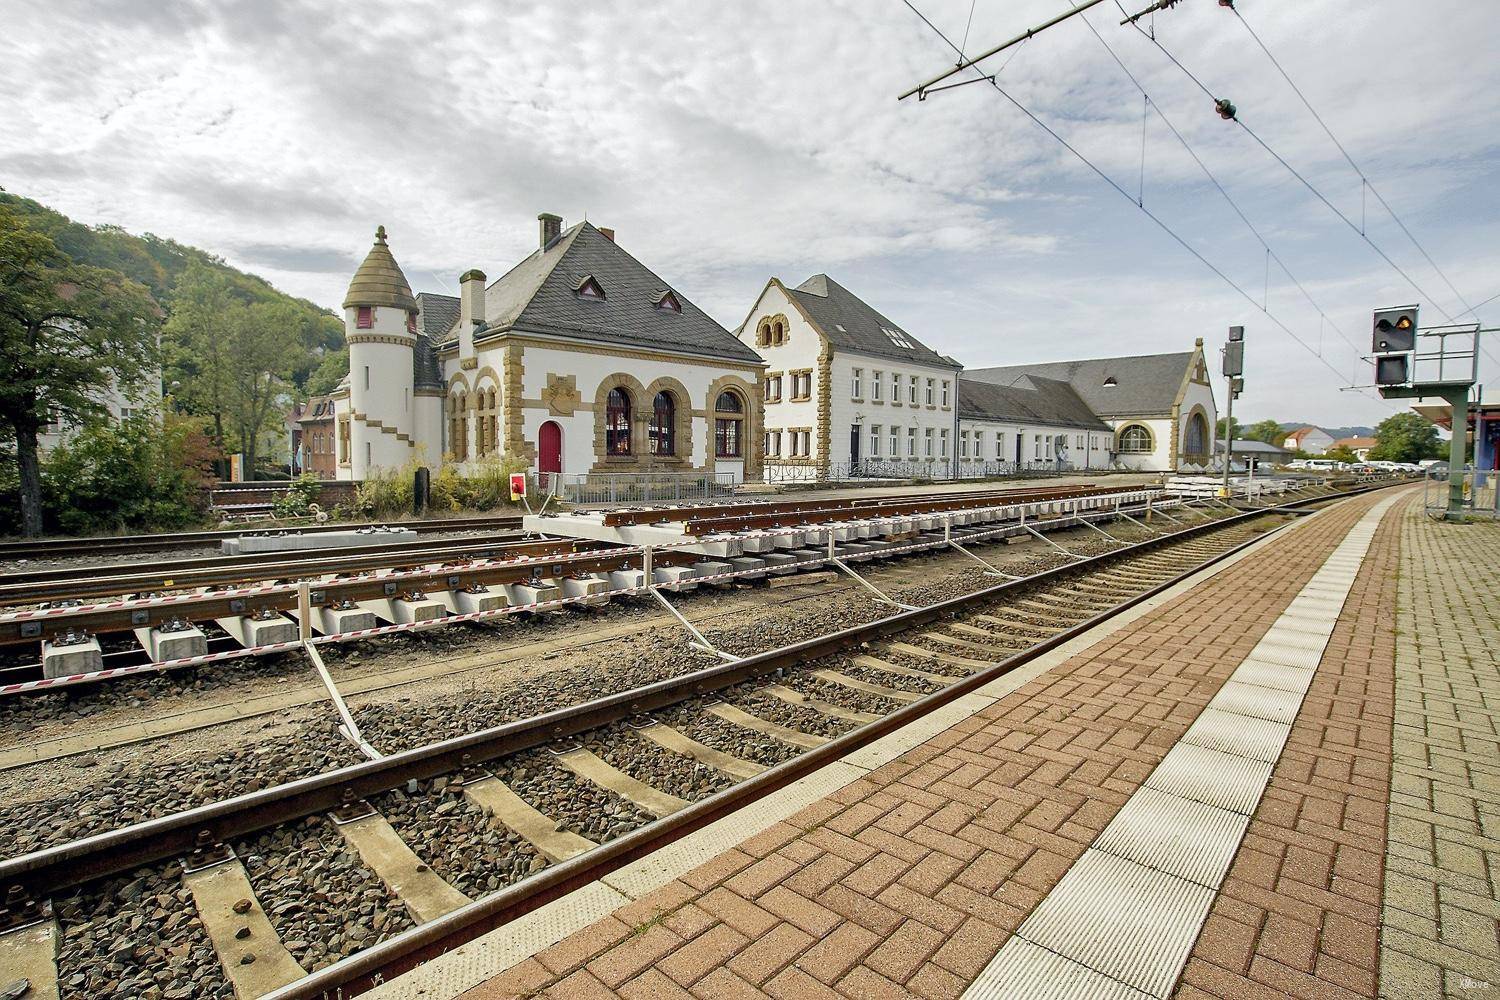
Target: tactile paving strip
<point>1175,835</point>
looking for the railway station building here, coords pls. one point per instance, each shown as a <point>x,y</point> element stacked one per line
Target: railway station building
<point>579,359</point>
<point>850,392</point>
<point>1159,407</point>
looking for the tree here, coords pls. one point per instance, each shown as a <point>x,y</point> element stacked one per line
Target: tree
<point>69,333</point>
<point>1268,431</point>
<point>232,360</point>
<point>331,369</point>
<point>1343,453</point>
<point>1405,437</point>
<point>1222,429</point>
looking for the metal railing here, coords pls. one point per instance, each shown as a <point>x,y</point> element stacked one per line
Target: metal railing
<point>637,487</point>
<point>1481,493</point>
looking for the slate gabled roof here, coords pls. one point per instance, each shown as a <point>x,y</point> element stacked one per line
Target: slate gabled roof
<point>853,324</point>
<point>436,315</point>
<point>1030,400</point>
<point>1145,385</point>
<point>538,296</point>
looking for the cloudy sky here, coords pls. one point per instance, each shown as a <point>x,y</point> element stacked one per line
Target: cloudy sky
<point>730,142</point>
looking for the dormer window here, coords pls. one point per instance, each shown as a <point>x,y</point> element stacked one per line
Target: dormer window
<point>667,302</point>
<point>1111,382</point>
<point>589,288</point>
<point>364,317</point>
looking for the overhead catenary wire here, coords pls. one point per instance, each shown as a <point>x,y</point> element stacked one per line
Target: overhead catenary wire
<point>1182,242</point>
<point>1271,254</point>
<point>1426,295</point>
<point>1366,185</point>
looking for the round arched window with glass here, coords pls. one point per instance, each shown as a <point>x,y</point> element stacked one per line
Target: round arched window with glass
<point>660,431</point>
<point>1135,440</point>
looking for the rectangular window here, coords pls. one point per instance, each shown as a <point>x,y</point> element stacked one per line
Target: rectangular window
<point>931,383</point>
<point>911,442</point>
<point>963,444</point>
<point>1049,446</point>
<point>727,438</point>
<point>874,440</point>
<point>875,388</point>
<point>911,389</point>
<point>943,441</point>
<point>365,317</point>
<point>895,441</point>
<point>368,460</point>
<point>1000,445</point>
<point>1036,443</point>
<point>895,389</point>
<point>927,443</point>
<point>807,444</point>
<point>945,392</point>
<point>856,391</point>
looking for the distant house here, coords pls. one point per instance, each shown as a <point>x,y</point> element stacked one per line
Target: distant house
<point>314,445</point>
<point>1313,440</point>
<point>1359,445</point>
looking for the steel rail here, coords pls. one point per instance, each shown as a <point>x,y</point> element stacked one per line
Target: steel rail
<point>103,854</point>
<point>53,548</point>
<point>130,578</point>
<point>380,963</point>
<point>687,512</point>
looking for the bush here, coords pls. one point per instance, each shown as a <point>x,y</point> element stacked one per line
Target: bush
<point>486,487</point>
<point>301,494</point>
<point>142,474</point>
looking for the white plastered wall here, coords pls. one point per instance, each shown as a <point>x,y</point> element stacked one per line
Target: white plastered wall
<point>380,391</point>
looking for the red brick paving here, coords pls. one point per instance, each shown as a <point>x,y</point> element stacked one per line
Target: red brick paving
<point>906,882</point>
<point>1299,912</point>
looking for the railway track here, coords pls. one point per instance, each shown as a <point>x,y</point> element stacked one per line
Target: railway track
<point>93,546</point>
<point>566,796</point>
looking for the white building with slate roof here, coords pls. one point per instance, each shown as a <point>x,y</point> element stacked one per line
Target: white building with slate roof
<point>1160,407</point>
<point>578,359</point>
<point>846,388</point>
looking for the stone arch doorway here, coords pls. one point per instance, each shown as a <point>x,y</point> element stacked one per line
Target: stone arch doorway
<point>549,452</point>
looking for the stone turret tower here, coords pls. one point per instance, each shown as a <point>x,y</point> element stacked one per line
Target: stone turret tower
<point>380,324</point>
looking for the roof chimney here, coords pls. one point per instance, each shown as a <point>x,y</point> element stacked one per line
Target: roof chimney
<point>551,228</point>
<point>470,304</point>
<point>608,234</point>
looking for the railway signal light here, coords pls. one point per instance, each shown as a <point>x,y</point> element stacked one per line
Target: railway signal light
<point>1393,340</point>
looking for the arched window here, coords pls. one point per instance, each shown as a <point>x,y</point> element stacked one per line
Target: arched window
<point>458,426</point>
<point>1135,440</point>
<point>1195,441</point>
<point>778,332</point>
<point>660,432</point>
<point>729,415</point>
<point>617,422</point>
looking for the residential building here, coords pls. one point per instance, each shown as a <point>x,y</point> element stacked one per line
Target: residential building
<point>1359,445</point>
<point>847,388</point>
<point>1249,453</point>
<point>1160,407</point>
<point>314,443</point>
<point>578,359</point>
<point>1309,439</point>
<point>119,404</point>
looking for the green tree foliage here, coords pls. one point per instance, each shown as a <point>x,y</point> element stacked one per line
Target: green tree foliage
<point>1406,437</point>
<point>1268,431</point>
<point>325,377</point>
<point>69,334</point>
<point>229,360</point>
<point>1343,453</point>
<point>1222,429</point>
<point>145,473</point>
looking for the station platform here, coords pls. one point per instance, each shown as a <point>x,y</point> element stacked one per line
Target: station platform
<point>1279,778</point>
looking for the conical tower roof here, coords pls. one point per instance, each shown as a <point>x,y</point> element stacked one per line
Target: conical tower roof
<point>379,281</point>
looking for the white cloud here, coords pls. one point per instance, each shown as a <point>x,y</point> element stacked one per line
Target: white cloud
<point>726,143</point>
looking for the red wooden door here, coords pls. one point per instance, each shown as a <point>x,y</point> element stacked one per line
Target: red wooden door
<point>549,450</point>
